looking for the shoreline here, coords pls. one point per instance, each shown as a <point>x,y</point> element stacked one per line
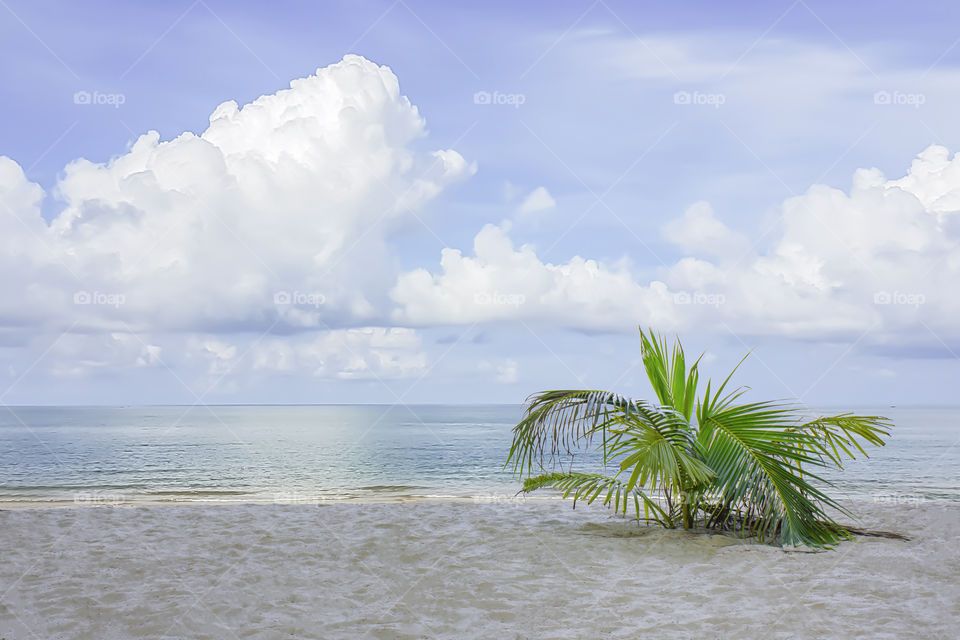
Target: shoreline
<point>44,505</point>
<point>541,497</point>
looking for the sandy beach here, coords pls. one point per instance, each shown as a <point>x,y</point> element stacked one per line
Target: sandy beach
<point>502,569</point>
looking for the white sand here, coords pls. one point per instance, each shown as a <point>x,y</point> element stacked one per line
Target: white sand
<point>455,570</point>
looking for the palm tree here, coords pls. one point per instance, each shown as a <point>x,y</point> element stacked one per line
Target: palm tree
<point>710,462</point>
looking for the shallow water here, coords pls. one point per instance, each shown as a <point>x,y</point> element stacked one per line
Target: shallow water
<point>94,455</point>
<point>514,569</point>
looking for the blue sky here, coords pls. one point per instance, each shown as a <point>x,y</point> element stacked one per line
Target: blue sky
<point>690,168</point>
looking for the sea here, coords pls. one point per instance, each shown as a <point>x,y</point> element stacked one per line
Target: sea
<point>313,453</point>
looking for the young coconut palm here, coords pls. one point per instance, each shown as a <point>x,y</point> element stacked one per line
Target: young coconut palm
<point>710,462</point>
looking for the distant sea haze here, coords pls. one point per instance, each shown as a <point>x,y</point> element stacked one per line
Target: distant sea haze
<point>120,455</point>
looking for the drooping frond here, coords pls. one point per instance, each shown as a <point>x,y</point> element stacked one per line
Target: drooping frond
<point>834,437</point>
<point>591,486</point>
<point>562,422</point>
<point>759,457</point>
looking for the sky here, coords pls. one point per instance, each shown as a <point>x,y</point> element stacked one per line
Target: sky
<point>407,202</point>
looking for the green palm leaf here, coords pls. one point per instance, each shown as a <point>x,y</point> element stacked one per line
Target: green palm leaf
<point>759,460</point>
<point>590,486</point>
<point>835,436</point>
<point>557,423</point>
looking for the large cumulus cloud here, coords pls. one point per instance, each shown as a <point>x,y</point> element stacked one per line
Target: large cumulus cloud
<point>288,193</point>
<point>276,217</point>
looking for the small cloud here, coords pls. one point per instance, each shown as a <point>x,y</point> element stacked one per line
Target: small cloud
<point>699,231</point>
<point>879,372</point>
<point>538,200</point>
<point>507,372</point>
<point>504,372</point>
<point>511,192</point>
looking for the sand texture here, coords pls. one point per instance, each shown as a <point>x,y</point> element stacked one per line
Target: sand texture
<point>456,570</point>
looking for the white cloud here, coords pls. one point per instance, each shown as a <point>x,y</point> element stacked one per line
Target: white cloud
<point>699,232</point>
<point>202,362</point>
<point>220,356</point>
<point>537,200</point>
<point>297,191</point>
<point>277,218</point>
<point>372,353</point>
<point>878,260</point>
<point>505,372</point>
<point>503,283</point>
<point>76,355</point>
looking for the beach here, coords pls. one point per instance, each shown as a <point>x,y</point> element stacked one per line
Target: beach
<point>378,321</point>
<point>285,522</point>
<point>493,568</point>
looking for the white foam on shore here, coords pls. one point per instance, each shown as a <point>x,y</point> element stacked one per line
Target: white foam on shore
<point>459,569</point>
<point>280,499</point>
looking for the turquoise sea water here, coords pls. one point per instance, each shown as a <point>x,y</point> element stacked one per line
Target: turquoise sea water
<point>307,453</point>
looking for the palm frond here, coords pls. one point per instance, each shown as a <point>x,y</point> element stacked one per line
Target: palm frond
<point>834,437</point>
<point>674,386</point>
<point>661,451</point>
<point>758,457</point>
<point>591,486</point>
<point>562,422</point>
